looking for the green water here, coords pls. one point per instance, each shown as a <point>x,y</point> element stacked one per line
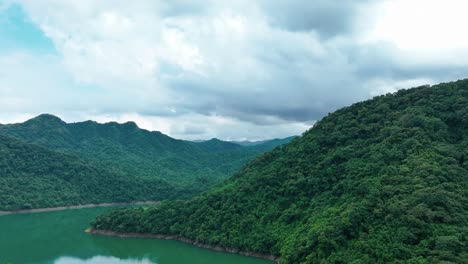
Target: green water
<point>59,238</point>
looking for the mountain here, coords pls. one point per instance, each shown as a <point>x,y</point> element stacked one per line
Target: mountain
<point>32,176</point>
<point>267,145</point>
<point>128,148</point>
<point>262,144</point>
<point>217,145</point>
<point>381,181</point>
<point>270,142</point>
<point>173,168</point>
<point>247,143</point>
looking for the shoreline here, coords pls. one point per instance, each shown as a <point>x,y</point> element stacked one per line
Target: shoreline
<point>184,240</point>
<point>69,207</point>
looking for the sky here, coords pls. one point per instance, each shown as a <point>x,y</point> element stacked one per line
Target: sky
<point>234,70</point>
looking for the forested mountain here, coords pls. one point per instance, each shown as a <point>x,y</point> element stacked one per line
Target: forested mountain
<point>32,176</point>
<point>131,149</point>
<point>267,145</point>
<point>275,142</point>
<point>168,167</point>
<point>381,181</point>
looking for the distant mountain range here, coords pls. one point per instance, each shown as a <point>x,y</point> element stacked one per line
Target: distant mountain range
<point>271,142</point>
<point>123,152</point>
<point>246,143</point>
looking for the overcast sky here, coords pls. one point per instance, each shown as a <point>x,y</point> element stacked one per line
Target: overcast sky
<point>240,69</point>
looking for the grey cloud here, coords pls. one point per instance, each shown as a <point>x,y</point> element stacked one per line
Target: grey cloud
<point>288,98</point>
<point>305,87</point>
<point>327,17</point>
<point>285,68</point>
<point>184,7</point>
<point>193,130</point>
<point>384,61</point>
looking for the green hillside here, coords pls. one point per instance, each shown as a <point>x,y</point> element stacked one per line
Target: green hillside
<point>114,163</point>
<point>267,145</point>
<point>276,142</point>
<point>381,181</point>
<point>34,177</point>
<point>133,150</point>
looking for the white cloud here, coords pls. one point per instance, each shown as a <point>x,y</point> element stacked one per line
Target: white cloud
<point>239,69</point>
<point>379,86</point>
<point>101,260</point>
<point>195,126</point>
<point>425,28</point>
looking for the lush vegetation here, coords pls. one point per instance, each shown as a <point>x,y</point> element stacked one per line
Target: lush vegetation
<point>381,181</point>
<point>272,142</point>
<point>136,151</point>
<point>45,162</point>
<point>34,177</point>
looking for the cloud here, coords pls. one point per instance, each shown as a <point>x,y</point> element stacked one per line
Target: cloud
<point>193,126</point>
<point>101,260</point>
<point>326,17</point>
<point>196,69</point>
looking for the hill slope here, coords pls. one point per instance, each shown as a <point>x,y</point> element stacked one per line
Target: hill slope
<point>131,149</point>
<point>161,166</point>
<point>275,142</point>
<point>34,177</point>
<point>381,181</point>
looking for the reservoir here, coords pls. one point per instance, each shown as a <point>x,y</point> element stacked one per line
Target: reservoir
<point>58,238</point>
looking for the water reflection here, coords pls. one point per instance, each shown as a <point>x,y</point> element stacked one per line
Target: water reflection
<point>59,238</point>
<point>102,260</point>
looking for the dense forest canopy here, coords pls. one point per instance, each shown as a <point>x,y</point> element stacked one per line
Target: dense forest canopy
<point>35,177</point>
<point>46,162</point>
<point>381,181</point>
<point>134,150</point>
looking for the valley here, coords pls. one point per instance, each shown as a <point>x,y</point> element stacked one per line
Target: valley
<point>233,132</point>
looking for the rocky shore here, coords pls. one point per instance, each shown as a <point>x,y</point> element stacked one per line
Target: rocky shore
<point>185,240</point>
<point>59,208</point>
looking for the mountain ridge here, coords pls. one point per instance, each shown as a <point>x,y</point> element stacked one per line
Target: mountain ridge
<point>127,145</point>
<point>142,155</point>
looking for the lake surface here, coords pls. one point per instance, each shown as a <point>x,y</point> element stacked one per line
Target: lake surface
<point>59,238</point>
